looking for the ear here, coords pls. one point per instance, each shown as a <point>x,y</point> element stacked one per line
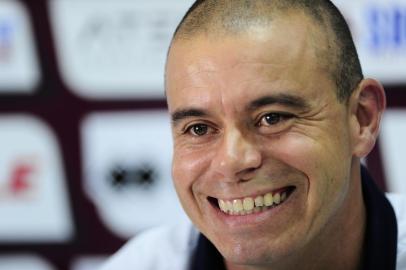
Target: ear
<point>366,106</point>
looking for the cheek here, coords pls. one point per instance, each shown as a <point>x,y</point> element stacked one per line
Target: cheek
<point>298,152</point>
<point>321,161</point>
<point>314,153</point>
<point>190,164</point>
<point>188,169</point>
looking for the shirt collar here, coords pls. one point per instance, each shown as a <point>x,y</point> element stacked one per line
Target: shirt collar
<point>380,236</point>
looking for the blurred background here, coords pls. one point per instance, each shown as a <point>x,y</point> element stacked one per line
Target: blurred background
<point>85,145</point>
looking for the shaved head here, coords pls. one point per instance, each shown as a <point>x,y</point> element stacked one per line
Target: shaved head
<point>337,52</point>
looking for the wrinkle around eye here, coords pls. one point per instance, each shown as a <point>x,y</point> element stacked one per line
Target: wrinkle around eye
<point>283,121</point>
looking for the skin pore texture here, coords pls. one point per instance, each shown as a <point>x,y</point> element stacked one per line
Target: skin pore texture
<point>255,113</point>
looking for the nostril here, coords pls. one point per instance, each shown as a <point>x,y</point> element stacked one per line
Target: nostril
<point>247,174</point>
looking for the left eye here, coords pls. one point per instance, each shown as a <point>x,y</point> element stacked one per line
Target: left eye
<point>272,119</point>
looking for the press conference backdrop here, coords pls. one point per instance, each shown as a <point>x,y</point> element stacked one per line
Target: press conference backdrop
<point>85,144</point>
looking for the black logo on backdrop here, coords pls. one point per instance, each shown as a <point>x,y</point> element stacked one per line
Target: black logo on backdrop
<point>142,176</point>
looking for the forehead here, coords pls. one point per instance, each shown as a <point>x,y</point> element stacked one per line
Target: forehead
<point>284,52</point>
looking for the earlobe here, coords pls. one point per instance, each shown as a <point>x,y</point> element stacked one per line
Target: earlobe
<point>367,104</point>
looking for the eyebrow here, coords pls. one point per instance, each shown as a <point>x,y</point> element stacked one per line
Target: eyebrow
<point>282,99</point>
<point>179,115</point>
<point>288,100</point>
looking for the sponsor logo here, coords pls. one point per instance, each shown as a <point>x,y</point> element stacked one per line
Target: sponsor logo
<point>6,40</point>
<point>33,200</point>
<point>19,71</point>
<point>124,177</point>
<point>127,159</point>
<point>20,183</point>
<point>114,49</point>
<point>379,29</point>
<point>387,27</point>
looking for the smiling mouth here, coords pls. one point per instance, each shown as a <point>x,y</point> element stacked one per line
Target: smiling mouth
<point>250,205</point>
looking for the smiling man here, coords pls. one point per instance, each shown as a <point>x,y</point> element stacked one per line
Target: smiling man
<point>270,118</point>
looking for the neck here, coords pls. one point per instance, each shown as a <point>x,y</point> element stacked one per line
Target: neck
<point>339,246</point>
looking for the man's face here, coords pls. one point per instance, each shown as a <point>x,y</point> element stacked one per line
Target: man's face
<point>258,130</point>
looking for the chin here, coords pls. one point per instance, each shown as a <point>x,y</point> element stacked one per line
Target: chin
<point>262,251</point>
<point>248,258</point>
<point>249,254</point>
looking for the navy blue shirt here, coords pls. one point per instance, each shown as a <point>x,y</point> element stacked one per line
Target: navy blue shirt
<point>380,236</point>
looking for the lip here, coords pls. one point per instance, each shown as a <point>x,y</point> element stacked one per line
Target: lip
<point>253,219</point>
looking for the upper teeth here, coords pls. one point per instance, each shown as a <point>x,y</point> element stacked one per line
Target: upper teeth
<point>248,205</point>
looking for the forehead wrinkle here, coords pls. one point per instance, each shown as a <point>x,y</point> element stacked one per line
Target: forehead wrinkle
<point>337,56</point>
<point>264,61</point>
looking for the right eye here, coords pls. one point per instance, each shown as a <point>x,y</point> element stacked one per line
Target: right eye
<point>198,130</point>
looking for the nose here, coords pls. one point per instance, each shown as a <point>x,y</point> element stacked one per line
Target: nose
<point>238,157</point>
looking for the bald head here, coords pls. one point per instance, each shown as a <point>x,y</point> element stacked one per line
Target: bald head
<point>219,18</point>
